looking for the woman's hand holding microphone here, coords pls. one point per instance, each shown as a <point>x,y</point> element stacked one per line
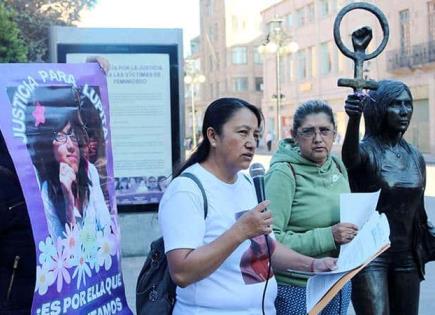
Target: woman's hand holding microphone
<point>254,222</point>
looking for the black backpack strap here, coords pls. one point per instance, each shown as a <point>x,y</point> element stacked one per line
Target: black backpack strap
<point>293,170</point>
<point>198,183</point>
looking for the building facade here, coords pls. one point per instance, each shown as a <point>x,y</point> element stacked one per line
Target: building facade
<point>193,93</point>
<point>229,35</point>
<point>313,71</point>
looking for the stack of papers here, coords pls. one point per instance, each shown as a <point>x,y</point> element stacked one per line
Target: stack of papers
<point>372,239</point>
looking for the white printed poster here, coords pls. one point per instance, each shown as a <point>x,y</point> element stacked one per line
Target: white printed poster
<point>140,107</point>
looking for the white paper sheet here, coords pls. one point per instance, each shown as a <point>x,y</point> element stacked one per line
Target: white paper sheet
<point>357,208</point>
<point>373,235</point>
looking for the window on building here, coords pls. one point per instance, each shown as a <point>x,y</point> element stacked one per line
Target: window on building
<point>289,20</point>
<point>325,58</point>
<point>314,61</point>
<point>218,88</point>
<point>301,65</point>
<point>216,31</point>
<point>324,8</point>
<point>210,8</point>
<point>258,59</point>
<point>300,17</point>
<point>240,84</point>
<point>310,13</point>
<point>405,36</point>
<point>309,57</point>
<point>210,62</point>
<point>239,55</point>
<point>258,84</point>
<point>211,32</point>
<point>431,19</point>
<point>289,70</point>
<point>217,61</point>
<point>244,25</point>
<point>234,23</point>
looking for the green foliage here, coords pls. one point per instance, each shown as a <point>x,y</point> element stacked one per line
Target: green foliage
<point>34,18</point>
<point>12,47</point>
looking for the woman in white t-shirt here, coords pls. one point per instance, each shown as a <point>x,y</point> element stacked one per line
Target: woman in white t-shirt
<point>220,264</point>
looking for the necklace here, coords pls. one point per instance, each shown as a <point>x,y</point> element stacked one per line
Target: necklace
<point>396,153</point>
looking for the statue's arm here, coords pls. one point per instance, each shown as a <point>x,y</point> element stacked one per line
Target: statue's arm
<point>351,152</point>
<point>423,169</point>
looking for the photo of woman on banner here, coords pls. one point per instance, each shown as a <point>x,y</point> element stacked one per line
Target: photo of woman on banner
<point>57,140</point>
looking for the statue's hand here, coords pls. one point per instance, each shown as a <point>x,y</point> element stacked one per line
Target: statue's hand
<point>361,38</point>
<point>354,106</point>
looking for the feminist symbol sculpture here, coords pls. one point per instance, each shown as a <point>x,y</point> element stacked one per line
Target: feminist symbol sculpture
<point>360,40</point>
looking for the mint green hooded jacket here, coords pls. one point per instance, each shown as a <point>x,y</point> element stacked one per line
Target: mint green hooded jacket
<point>304,210</point>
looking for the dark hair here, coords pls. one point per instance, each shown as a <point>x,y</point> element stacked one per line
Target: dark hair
<point>311,107</point>
<point>160,178</point>
<point>217,114</point>
<point>94,129</point>
<point>377,103</point>
<point>60,105</point>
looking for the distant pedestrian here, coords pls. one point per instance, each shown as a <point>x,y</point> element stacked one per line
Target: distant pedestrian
<point>269,138</point>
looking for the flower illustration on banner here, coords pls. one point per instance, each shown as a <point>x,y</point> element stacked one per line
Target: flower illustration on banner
<point>82,270</point>
<point>39,114</point>
<point>106,248</point>
<point>83,250</point>
<point>88,238</point>
<point>47,251</point>
<point>71,241</point>
<point>60,265</point>
<point>44,278</point>
<point>93,262</point>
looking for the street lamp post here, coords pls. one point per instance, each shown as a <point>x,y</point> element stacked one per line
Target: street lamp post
<point>278,42</point>
<point>193,77</point>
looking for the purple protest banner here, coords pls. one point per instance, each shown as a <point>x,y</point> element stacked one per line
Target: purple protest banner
<point>55,121</point>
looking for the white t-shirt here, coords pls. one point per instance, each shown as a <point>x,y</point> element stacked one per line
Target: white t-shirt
<point>236,287</point>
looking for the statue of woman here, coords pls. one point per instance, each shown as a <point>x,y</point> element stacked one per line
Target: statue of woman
<point>385,161</point>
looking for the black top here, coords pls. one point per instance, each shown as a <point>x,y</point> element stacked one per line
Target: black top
<point>400,175</point>
<point>16,240</point>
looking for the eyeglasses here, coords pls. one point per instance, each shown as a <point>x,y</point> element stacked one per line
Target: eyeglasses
<point>311,132</point>
<point>62,137</point>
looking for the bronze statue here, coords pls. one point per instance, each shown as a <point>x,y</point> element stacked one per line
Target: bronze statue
<point>384,160</point>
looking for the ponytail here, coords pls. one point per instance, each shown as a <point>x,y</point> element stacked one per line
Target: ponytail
<point>217,114</point>
<point>198,156</point>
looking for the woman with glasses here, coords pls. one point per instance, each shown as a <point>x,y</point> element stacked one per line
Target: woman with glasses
<point>303,184</point>
<point>70,185</point>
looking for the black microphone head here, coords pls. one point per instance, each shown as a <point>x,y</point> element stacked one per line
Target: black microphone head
<point>256,170</point>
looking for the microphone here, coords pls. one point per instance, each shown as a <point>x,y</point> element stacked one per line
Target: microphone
<point>257,173</point>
